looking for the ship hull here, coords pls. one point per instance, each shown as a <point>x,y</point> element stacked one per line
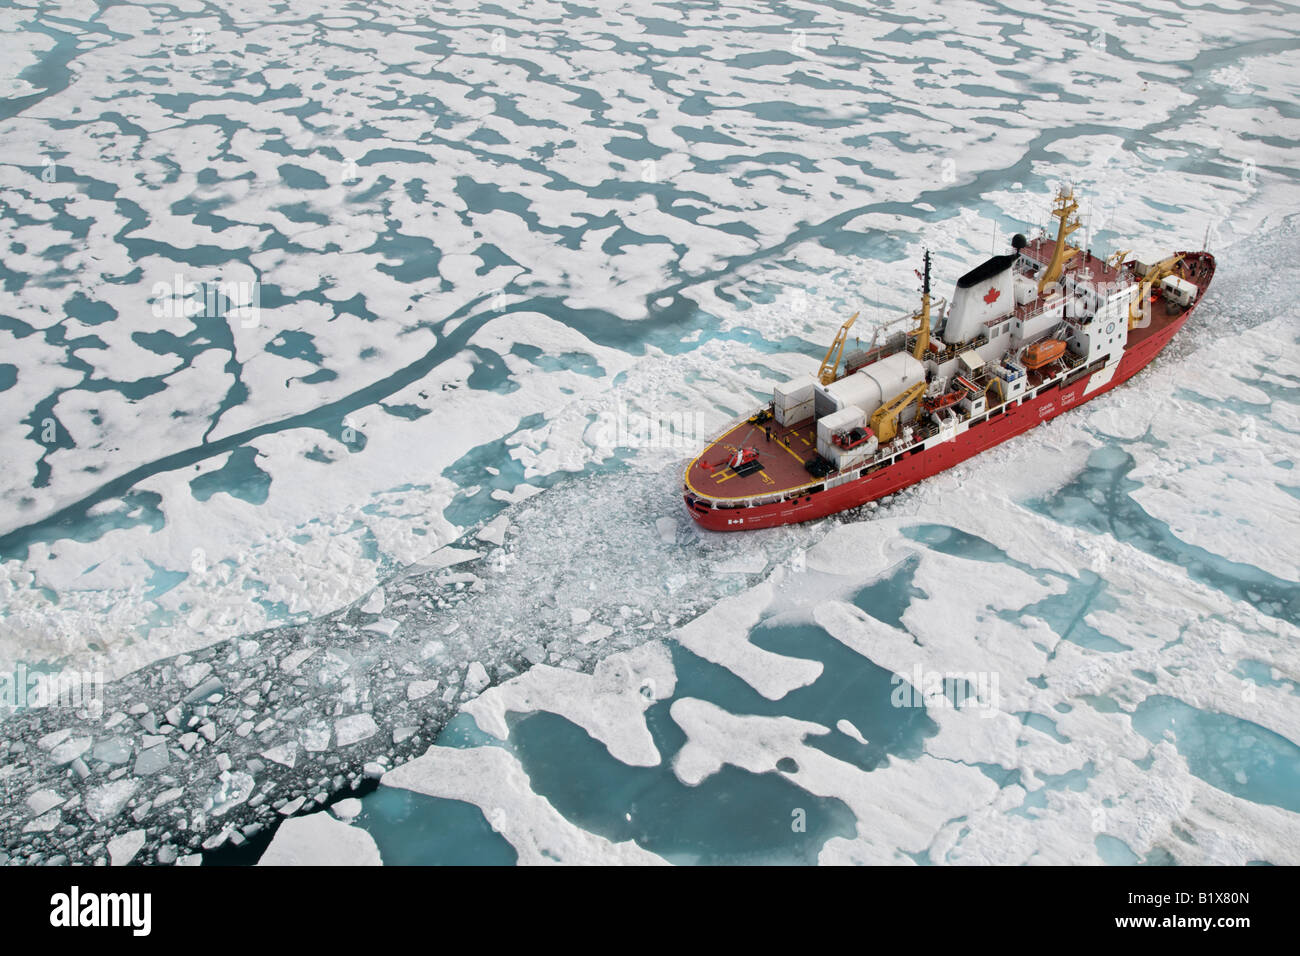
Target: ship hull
<point>937,458</point>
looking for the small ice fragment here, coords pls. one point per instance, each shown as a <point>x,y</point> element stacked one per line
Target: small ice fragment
<point>352,729</point>
<point>43,800</point>
<point>495,531</point>
<point>846,728</point>
<point>293,661</point>
<point>151,761</point>
<point>105,802</point>
<point>192,675</point>
<point>70,750</point>
<point>50,741</point>
<point>385,626</point>
<point>348,809</point>
<point>122,849</point>
<point>285,754</point>
<point>476,678</point>
<point>44,823</point>
<point>418,689</point>
<point>596,632</point>
<point>375,603</point>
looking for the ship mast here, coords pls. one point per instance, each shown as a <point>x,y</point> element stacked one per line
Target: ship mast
<point>923,333</point>
<point>1066,206</point>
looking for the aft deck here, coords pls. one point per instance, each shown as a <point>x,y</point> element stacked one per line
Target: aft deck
<point>782,453</point>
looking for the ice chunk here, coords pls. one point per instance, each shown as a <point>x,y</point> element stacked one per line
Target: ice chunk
<point>318,839</point>
<point>418,689</point>
<point>70,750</point>
<point>234,788</point>
<point>353,729</point>
<point>293,806</point>
<point>123,848</point>
<point>205,690</point>
<point>375,603</point>
<point>476,678</point>
<point>50,741</point>
<point>106,801</point>
<point>594,632</point>
<point>43,800</point>
<point>44,823</point>
<point>285,754</point>
<point>192,675</point>
<point>347,810</point>
<point>153,760</point>
<point>385,626</point>
<point>315,736</point>
<point>293,661</point>
<point>846,727</point>
<point>494,532</point>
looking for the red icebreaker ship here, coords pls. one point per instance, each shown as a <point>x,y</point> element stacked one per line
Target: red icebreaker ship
<point>1027,336</point>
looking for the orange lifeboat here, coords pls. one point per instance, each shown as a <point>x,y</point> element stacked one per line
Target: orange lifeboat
<point>1040,353</point>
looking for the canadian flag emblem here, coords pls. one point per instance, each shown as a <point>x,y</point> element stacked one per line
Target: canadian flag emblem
<point>992,295</point>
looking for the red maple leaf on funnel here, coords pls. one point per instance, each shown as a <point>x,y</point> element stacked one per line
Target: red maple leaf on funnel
<point>992,295</point>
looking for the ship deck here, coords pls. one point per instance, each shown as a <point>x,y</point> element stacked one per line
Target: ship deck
<point>781,459</point>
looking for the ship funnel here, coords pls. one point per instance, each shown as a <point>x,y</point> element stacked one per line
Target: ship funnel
<point>985,293</point>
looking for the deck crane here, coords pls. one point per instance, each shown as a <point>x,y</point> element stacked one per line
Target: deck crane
<point>1066,206</point>
<point>831,363</point>
<point>884,421</point>
<point>1154,274</point>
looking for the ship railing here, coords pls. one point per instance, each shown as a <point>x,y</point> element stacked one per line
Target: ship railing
<point>1072,361</point>
<point>1040,307</point>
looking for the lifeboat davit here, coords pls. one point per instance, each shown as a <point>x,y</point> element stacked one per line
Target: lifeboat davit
<point>1041,353</point>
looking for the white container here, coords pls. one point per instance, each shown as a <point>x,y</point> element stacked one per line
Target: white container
<point>1179,290</point>
<point>794,414</point>
<point>833,424</point>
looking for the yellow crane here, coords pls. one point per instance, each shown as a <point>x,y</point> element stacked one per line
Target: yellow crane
<point>884,421</point>
<point>1066,206</point>
<point>1155,273</point>
<point>831,363</point>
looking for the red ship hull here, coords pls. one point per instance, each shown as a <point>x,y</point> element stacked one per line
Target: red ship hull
<point>1144,345</point>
